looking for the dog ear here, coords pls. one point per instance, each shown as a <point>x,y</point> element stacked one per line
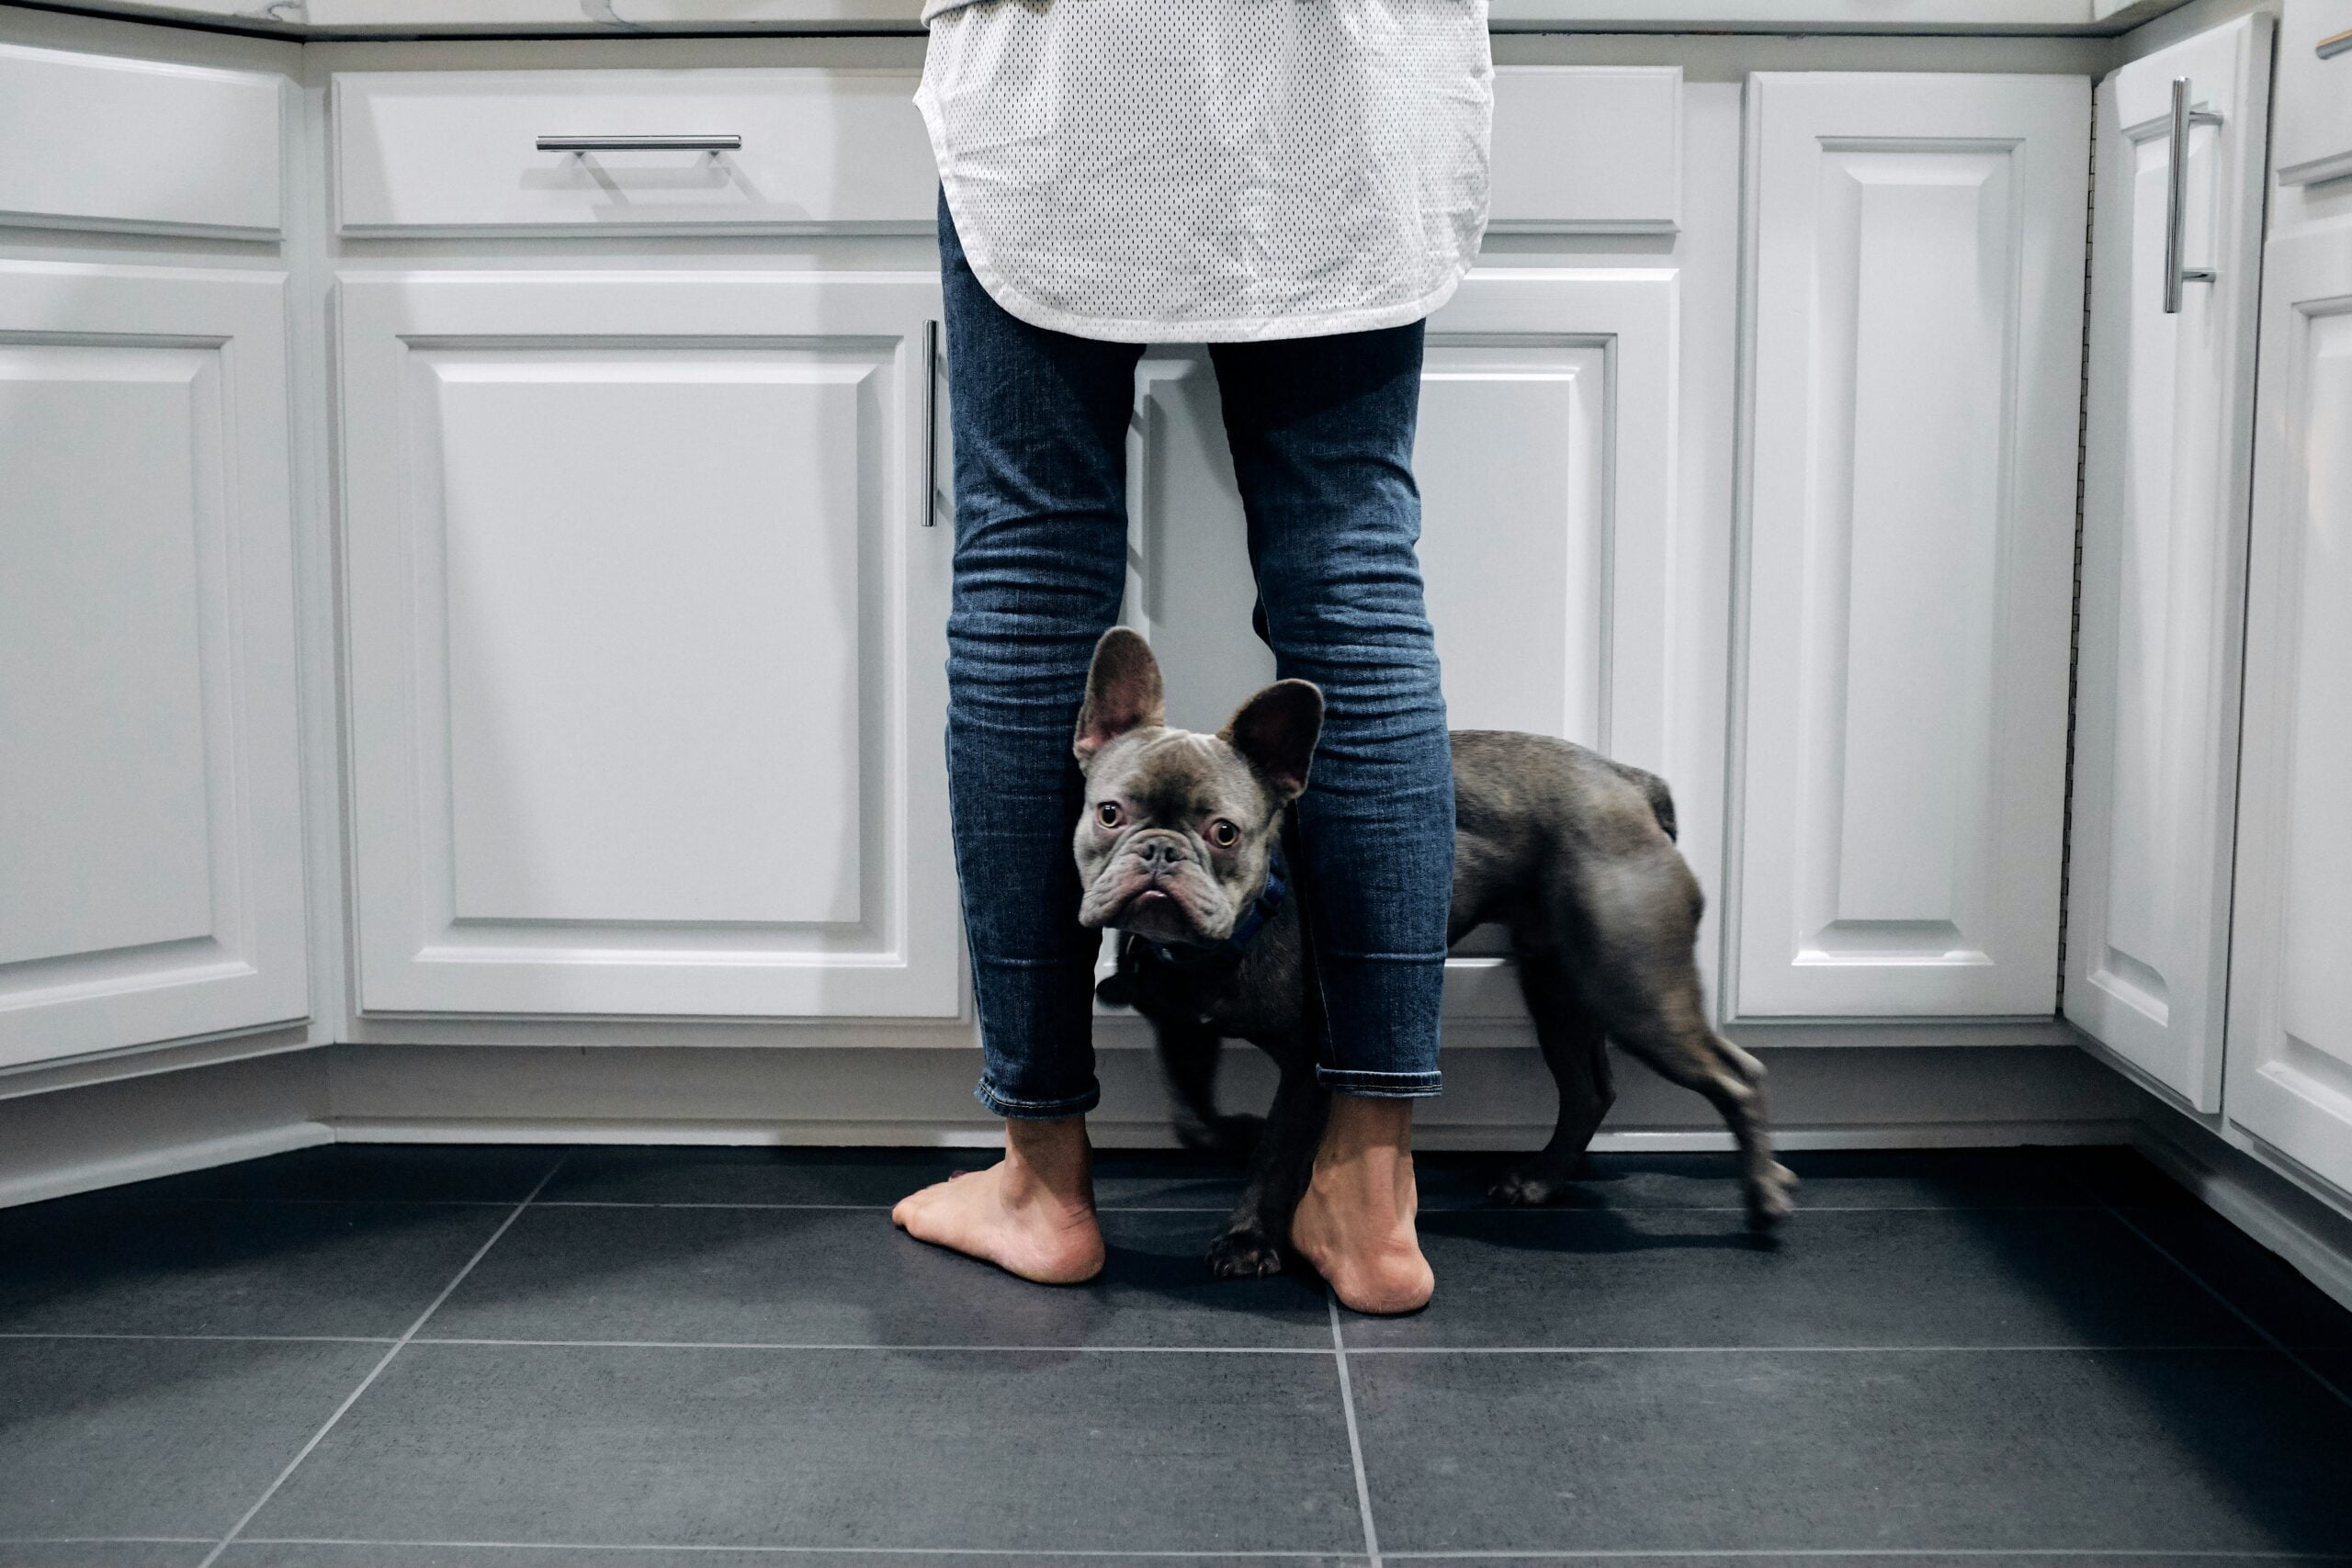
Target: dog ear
<point>1122,693</point>
<point>1276,731</point>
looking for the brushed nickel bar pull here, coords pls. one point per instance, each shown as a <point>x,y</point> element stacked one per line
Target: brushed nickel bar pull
<point>2333,44</point>
<point>931,424</point>
<point>639,144</point>
<point>2176,194</point>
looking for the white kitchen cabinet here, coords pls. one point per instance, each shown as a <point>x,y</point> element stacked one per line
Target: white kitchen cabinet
<point>2168,456</point>
<point>142,146</point>
<point>151,841</point>
<point>1546,461</point>
<point>1914,318</point>
<point>2314,91</point>
<point>2290,1078</point>
<point>795,150</point>
<point>646,613</point>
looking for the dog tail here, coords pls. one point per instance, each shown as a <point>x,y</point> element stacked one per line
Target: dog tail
<point>1654,789</point>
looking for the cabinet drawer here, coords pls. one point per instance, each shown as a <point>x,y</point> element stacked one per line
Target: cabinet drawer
<point>2313,137</point>
<point>1587,149</point>
<point>812,150</point>
<point>98,142</point>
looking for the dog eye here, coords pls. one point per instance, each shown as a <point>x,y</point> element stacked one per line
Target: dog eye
<point>1107,813</point>
<point>1224,834</point>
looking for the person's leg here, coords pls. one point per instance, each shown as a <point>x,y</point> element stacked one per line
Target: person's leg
<point>1040,422</point>
<point>1322,436</point>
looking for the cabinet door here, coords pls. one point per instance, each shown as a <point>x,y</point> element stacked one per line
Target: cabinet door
<point>151,839</point>
<point>1546,464</point>
<point>647,642</point>
<point>2169,453</point>
<point>2290,986</point>
<point>1914,356</point>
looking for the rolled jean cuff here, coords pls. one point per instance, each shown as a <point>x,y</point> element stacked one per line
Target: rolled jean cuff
<point>1380,1086</point>
<point>1037,1110</point>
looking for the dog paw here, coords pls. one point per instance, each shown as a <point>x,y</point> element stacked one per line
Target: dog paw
<point>1771,1197</point>
<point>1245,1255</point>
<point>1528,1188</point>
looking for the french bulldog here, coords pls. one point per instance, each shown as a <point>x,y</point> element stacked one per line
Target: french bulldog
<point>1574,854</point>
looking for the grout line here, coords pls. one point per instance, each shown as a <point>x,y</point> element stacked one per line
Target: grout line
<point>1778,1349</point>
<point>232,1338</point>
<point>2239,1313</point>
<point>1023,1552</point>
<point>1993,1553</point>
<point>1355,1437</point>
<point>483,1341</point>
<point>796,1344</point>
<point>374,1373</point>
<point>106,1541</point>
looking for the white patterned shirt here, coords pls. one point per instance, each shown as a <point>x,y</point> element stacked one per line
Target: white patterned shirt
<point>1212,170</point>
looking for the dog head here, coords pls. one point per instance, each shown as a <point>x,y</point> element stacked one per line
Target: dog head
<point>1178,827</point>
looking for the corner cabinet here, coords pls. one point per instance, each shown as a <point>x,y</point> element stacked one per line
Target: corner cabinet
<point>151,804</point>
<point>2291,984</point>
<point>2168,456</point>
<point>1913,361</point>
<point>646,611</point>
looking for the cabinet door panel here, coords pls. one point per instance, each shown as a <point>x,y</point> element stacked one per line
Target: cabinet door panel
<point>1546,462</point>
<point>1915,327</point>
<point>2167,457</point>
<point>150,787</point>
<point>2290,992</point>
<point>646,637</point>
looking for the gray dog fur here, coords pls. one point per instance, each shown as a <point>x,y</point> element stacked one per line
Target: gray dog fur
<point>1571,852</point>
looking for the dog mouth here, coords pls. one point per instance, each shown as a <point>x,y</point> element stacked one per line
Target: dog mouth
<point>1154,906</point>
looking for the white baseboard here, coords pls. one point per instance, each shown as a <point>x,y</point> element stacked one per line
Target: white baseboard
<point>2294,1224</point>
<point>80,1140</point>
<point>1494,1098</point>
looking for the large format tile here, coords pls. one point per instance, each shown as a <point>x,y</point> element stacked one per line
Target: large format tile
<point>1831,1179</point>
<point>1123,1178</point>
<point>155,1437</point>
<point>2120,1175</point>
<point>2256,1280</point>
<point>848,1277</point>
<point>437,1173</point>
<point>2122,1451</point>
<point>1851,1278</point>
<point>795,1175</point>
<point>85,1265</point>
<point>905,1449</point>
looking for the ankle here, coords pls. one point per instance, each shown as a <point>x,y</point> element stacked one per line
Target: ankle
<point>1363,1133</point>
<point>1050,1162</point>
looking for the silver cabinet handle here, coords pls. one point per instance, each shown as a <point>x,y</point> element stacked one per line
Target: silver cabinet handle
<point>639,144</point>
<point>931,424</point>
<point>2176,194</point>
<point>2333,44</point>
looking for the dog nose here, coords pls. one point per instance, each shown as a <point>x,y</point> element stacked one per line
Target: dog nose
<point>1159,854</point>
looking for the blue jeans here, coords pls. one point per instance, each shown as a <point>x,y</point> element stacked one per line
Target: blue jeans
<point>1322,431</point>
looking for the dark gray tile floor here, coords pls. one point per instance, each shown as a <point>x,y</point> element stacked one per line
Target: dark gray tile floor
<point>654,1357</point>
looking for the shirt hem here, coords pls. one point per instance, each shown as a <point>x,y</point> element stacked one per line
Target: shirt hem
<point>1025,307</point>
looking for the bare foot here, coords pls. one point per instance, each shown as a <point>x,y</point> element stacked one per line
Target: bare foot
<point>1031,1214</point>
<point>1355,1222</point>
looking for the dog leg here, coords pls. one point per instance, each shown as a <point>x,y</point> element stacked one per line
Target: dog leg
<point>1257,1231</point>
<point>1577,1054</point>
<point>1188,1057</point>
<point>1686,1052</point>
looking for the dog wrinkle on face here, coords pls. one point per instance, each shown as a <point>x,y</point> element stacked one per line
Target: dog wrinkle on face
<point>1169,784</point>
